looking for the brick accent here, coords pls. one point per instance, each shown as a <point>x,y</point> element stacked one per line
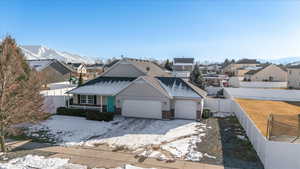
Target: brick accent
<point>118,110</point>
<point>199,115</point>
<point>167,115</point>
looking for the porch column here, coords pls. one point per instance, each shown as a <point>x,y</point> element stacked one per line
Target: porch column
<point>101,104</point>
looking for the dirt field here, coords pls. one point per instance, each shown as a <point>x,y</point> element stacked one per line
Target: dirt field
<point>259,110</point>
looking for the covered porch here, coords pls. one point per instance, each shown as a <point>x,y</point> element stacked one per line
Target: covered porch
<point>88,101</point>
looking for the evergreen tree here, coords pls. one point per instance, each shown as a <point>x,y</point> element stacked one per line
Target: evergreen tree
<point>196,77</point>
<point>168,65</point>
<point>20,86</point>
<point>80,80</point>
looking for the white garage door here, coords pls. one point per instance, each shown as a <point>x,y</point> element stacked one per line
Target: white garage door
<point>142,108</point>
<point>185,109</point>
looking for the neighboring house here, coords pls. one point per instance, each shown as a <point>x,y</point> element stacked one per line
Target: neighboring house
<point>78,67</point>
<point>268,72</point>
<point>94,70</point>
<point>216,80</point>
<point>182,67</point>
<point>54,71</point>
<point>232,69</point>
<point>294,76</point>
<point>136,88</point>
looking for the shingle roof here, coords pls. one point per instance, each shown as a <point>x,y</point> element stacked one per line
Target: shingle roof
<point>148,67</point>
<point>41,64</point>
<point>107,79</point>
<point>294,67</point>
<point>252,72</point>
<point>247,61</point>
<point>175,81</point>
<point>183,60</point>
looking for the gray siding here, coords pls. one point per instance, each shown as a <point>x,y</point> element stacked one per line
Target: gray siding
<point>141,90</point>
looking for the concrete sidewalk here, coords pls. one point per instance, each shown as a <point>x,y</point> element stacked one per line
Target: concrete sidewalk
<point>92,157</point>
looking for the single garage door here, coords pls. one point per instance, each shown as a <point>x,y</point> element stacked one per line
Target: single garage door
<point>185,109</point>
<point>142,108</point>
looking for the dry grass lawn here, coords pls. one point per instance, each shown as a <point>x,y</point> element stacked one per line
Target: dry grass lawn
<point>259,110</point>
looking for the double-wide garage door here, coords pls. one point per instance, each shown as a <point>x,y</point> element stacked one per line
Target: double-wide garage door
<point>142,108</point>
<point>185,109</point>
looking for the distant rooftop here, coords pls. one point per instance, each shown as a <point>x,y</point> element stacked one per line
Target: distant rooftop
<point>183,60</point>
<point>247,61</point>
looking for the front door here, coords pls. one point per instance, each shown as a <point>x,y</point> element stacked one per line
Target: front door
<point>111,103</point>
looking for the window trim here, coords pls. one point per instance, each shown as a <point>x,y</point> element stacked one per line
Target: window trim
<point>87,99</point>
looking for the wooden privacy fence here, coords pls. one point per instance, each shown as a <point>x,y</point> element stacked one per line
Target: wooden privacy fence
<point>283,127</point>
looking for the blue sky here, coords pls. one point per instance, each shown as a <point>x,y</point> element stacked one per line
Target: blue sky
<point>207,30</point>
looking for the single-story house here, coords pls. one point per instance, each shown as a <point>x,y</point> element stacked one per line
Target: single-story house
<point>144,97</point>
<point>140,88</point>
<point>269,72</point>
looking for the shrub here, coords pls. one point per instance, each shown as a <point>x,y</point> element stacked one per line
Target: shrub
<point>70,112</point>
<point>100,116</point>
<point>90,114</point>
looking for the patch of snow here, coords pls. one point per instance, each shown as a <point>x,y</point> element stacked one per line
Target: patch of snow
<point>180,90</point>
<point>39,162</point>
<point>209,156</point>
<point>223,114</point>
<point>127,166</point>
<point>241,137</point>
<point>153,154</point>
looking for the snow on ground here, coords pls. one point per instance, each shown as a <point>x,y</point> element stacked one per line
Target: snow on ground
<point>40,162</point>
<point>68,130</point>
<point>145,137</point>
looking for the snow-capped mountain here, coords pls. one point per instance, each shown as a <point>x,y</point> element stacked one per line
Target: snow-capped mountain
<point>284,60</point>
<point>42,52</point>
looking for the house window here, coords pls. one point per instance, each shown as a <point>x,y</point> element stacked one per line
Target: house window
<point>290,72</point>
<point>82,99</point>
<point>86,99</point>
<point>90,99</point>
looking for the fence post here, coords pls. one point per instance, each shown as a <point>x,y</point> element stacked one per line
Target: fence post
<point>269,125</point>
<point>298,125</point>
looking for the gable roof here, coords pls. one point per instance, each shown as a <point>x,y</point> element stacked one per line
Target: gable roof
<point>41,64</point>
<point>247,61</point>
<point>252,72</point>
<point>145,66</point>
<point>183,60</point>
<point>148,67</point>
<point>168,86</point>
<point>154,82</point>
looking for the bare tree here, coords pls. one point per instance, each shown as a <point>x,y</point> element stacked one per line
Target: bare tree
<point>20,99</point>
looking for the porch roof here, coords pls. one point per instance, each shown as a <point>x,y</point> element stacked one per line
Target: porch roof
<point>105,86</point>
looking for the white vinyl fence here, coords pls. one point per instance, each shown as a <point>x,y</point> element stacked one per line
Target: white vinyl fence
<point>262,94</point>
<point>274,155</point>
<point>263,84</point>
<point>56,96</point>
<point>212,91</point>
<point>218,105</point>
